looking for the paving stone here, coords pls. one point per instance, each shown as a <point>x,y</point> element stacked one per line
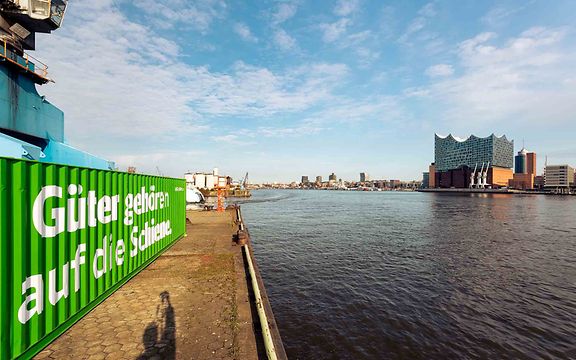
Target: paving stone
<point>183,306</point>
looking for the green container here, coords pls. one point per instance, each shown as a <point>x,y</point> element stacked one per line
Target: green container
<point>70,237</point>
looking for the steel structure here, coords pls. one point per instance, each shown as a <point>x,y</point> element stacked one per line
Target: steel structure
<point>30,126</point>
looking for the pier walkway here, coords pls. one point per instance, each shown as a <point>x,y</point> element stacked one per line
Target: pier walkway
<point>191,303</point>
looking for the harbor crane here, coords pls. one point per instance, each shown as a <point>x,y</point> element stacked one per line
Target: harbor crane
<point>472,176</point>
<point>30,126</point>
<point>244,182</point>
<point>485,176</point>
<point>479,177</point>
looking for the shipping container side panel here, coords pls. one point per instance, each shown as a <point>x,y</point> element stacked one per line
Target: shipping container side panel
<point>5,300</point>
<point>74,221</point>
<point>66,243</point>
<point>19,336</point>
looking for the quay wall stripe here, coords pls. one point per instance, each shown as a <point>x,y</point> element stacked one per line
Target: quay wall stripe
<point>69,238</point>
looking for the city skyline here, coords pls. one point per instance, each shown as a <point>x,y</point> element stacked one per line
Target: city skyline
<point>281,89</point>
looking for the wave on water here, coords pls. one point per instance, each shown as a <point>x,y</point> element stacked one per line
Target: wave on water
<point>262,198</point>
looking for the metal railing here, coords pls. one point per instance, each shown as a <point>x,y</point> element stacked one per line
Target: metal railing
<point>270,335</point>
<point>35,66</point>
<point>266,333</point>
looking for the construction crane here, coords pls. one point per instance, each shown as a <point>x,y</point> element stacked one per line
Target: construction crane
<point>244,182</point>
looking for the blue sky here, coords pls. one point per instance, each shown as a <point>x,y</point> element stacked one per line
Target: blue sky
<point>288,88</point>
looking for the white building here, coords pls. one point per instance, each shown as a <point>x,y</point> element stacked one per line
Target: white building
<point>206,181</point>
<point>558,176</point>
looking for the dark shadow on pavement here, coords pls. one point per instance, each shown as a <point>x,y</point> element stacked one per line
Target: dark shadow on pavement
<point>163,347</point>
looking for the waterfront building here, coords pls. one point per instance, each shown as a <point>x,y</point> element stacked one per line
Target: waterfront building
<point>520,162</point>
<point>332,177</point>
<point>425,180</point>
<point>531,163</point>
<point>364,177</point>
<point>472,162</point>
<point>452,153</point>
<point>432,176</point>
<point>318,179</point>
<point>525,170</point>
<point>558,177</point>
<point>539,182</point>
<point>305,180</point>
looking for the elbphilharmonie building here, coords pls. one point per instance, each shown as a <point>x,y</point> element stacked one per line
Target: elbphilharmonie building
<point>453,153</point>
<point>472,162</point>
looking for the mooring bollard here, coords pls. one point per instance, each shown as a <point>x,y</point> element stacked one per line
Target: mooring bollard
<point>242,237</point>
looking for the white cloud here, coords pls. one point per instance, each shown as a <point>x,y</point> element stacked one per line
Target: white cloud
<point>366,56</point>
<point>522,80</point>
<point>283,40</point>
<point>198,14</point>
<point>244,32</point>
<point>425,13</point>
<point>305,129</point>
<point>499,14</point>
<point>168,163</point>
<point>370,108</point>
<point>125,88</point>
<point>356,38</point>
<point>346,7</point>
<point>115,77</point>
<point>428,10</point>
<point>258,92</point>
<point>416,92</point>
<point>284,12</point>
<point>333,31</point>
<point>440,70</point>
<point>232,139</point>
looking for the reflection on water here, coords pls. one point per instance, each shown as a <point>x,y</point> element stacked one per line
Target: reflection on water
<point>355,275</point>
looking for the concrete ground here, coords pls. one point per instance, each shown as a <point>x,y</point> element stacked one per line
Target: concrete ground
<point>191,303</point>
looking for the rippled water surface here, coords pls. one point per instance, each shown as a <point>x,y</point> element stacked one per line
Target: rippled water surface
<point>358,275</point>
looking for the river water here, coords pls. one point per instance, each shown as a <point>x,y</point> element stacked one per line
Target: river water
<point>390,275</point>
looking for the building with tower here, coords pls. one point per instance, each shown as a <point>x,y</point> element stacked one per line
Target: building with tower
<point>524,171</point>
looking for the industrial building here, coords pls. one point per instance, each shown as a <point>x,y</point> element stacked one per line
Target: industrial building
<point>474,162</point>
<point>207,181</point>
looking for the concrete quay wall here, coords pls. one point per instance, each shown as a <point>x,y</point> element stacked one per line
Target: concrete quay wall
<point>196,301</point>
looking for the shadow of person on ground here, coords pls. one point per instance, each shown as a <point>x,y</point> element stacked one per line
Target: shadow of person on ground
<point>165,326</point>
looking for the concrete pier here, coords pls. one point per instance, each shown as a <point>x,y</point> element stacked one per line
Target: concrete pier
<point>193,302</point>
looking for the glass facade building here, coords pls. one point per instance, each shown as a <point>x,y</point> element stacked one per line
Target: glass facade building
<point>452,153</point>
<point>520,162</point>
